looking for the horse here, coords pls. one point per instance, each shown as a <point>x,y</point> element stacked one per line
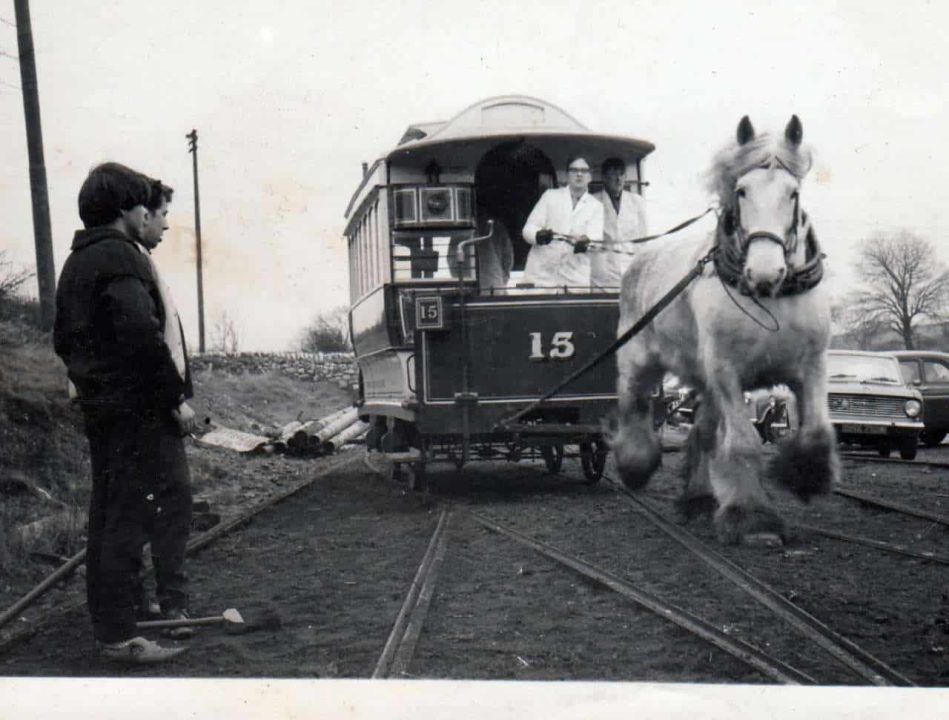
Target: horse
<point>756,316</point>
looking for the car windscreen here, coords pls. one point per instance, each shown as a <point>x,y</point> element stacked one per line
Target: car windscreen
<point>863,368</point>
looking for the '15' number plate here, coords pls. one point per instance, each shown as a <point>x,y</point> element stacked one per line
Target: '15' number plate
<point>560,346</point>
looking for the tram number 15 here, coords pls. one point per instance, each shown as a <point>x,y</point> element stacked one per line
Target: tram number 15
<point>561,346</point>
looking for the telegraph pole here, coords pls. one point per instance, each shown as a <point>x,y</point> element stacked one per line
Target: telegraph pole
<point>42,232</point>
<point>193,149</point>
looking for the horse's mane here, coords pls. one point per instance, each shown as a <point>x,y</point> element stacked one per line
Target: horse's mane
<point>735,160</point>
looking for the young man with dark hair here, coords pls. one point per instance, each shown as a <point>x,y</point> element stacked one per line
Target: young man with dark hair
<point>130,373</point>
<point>168,536</point>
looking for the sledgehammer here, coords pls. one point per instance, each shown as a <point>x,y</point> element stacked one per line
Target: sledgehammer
<point>232,620</point>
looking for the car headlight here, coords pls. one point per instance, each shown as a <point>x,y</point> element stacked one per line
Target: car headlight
<point>912,408</point>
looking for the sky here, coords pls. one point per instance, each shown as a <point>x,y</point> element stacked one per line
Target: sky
<point>289,97</point>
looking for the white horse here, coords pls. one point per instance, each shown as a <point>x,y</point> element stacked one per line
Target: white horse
<point>756,317</point>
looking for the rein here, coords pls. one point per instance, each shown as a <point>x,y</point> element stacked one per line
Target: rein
<point>600,245</point>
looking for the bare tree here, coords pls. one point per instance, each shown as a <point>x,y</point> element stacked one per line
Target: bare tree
<point>226,335</point>
<point>11,278</point>
<point>903,283</point>
<point>329,332</point>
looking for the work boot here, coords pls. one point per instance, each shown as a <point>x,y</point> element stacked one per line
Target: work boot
<point>138,651</point>
<point>177,633</point>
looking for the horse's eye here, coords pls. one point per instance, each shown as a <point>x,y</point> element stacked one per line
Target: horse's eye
<point>740,192</point>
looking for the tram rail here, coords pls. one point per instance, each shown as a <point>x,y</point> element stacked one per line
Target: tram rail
<point>847,653</point>
<point>400,645</point>
<point>892,506</point>
<point>406,630</point>
<point>894,461</point>
<point>196,543</point>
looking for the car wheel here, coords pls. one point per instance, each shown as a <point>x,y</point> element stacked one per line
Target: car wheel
<point>884,448</point>
<point>932,438</point>
<point>908,447</point>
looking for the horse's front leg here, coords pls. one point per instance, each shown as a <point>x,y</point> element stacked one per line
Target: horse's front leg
<point>634,441</point>
<point>697,497</point>
<point>807,463</point>
<point>735,465</point>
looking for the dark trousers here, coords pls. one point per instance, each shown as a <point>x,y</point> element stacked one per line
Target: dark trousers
<point>141,492</point>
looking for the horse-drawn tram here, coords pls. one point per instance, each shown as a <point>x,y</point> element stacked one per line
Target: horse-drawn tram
<point>450,353</point>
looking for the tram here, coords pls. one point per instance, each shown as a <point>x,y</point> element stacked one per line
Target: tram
<point>446,359</point>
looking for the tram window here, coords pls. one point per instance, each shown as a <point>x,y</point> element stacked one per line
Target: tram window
<point>373,253</point>
<point>405,205</point>
<point>364,243</point>
<point>361,263</point>
<point>429,257</point>
<point>376,246</point>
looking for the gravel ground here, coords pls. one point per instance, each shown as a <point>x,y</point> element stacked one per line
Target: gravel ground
<point>334,562</point>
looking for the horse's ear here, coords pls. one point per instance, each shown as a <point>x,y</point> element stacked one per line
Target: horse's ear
<point>794,132</point>
<point>745,131</point>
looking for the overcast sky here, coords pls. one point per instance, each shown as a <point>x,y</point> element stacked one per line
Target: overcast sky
<point>289,97</point>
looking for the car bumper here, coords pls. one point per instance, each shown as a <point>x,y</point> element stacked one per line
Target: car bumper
<point>852,428</point>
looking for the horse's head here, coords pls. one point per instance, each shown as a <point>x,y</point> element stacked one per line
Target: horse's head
<point>759,186</point>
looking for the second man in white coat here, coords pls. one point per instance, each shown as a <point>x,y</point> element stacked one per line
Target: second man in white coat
<point>624,218</point>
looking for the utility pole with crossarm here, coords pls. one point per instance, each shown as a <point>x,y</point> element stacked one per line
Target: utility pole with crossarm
<point>193,149</point>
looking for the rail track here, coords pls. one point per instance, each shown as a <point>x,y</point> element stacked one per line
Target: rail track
<point>771,662</point>
<point>866,666</point>
<point>894,461</point>
<point>10,640</point>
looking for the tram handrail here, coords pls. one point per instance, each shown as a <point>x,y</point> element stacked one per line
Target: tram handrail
<point>463,245</point>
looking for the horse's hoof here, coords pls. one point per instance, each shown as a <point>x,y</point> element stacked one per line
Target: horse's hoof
<point>754,526</point>
<point>687,508</point>
<point>805,466</point>
<point>635,471</point>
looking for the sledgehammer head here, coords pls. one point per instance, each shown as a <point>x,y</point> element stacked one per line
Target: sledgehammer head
<point>236,624</point>
<point>233,621</point>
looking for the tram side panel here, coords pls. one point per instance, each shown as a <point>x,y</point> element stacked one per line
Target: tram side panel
<point>384,359</point>
<point>513,350</point>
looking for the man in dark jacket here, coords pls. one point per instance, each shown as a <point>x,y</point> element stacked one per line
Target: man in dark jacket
<point>132,382</point>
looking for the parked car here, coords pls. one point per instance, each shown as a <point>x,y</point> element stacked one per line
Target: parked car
<point>928,372</point>
<point>772,411</point>
<point>870,404</point>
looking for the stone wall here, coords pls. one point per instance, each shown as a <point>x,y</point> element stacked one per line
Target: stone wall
<point>316,367</point>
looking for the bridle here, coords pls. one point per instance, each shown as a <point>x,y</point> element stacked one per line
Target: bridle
<point>732,247</point>
<point>733,226</point>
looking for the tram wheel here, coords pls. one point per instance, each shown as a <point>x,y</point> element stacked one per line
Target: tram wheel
<point>593,461</point>
<point>553,457</point>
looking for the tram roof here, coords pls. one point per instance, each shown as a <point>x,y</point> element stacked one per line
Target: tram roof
<point>503,118</point>
<point>509,117</point>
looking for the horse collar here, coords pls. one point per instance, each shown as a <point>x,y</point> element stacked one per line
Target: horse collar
<point>729,261</point>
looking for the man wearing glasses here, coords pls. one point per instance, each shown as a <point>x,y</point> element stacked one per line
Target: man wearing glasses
<point>568,211</point>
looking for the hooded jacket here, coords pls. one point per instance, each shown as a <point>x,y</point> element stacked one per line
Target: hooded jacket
<point>109,326</point>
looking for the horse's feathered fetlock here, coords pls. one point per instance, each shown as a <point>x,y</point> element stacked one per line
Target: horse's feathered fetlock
<point>806,465</point>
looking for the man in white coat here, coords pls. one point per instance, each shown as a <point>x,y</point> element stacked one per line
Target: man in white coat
<point>624,218</point>
<point>569,210</point>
